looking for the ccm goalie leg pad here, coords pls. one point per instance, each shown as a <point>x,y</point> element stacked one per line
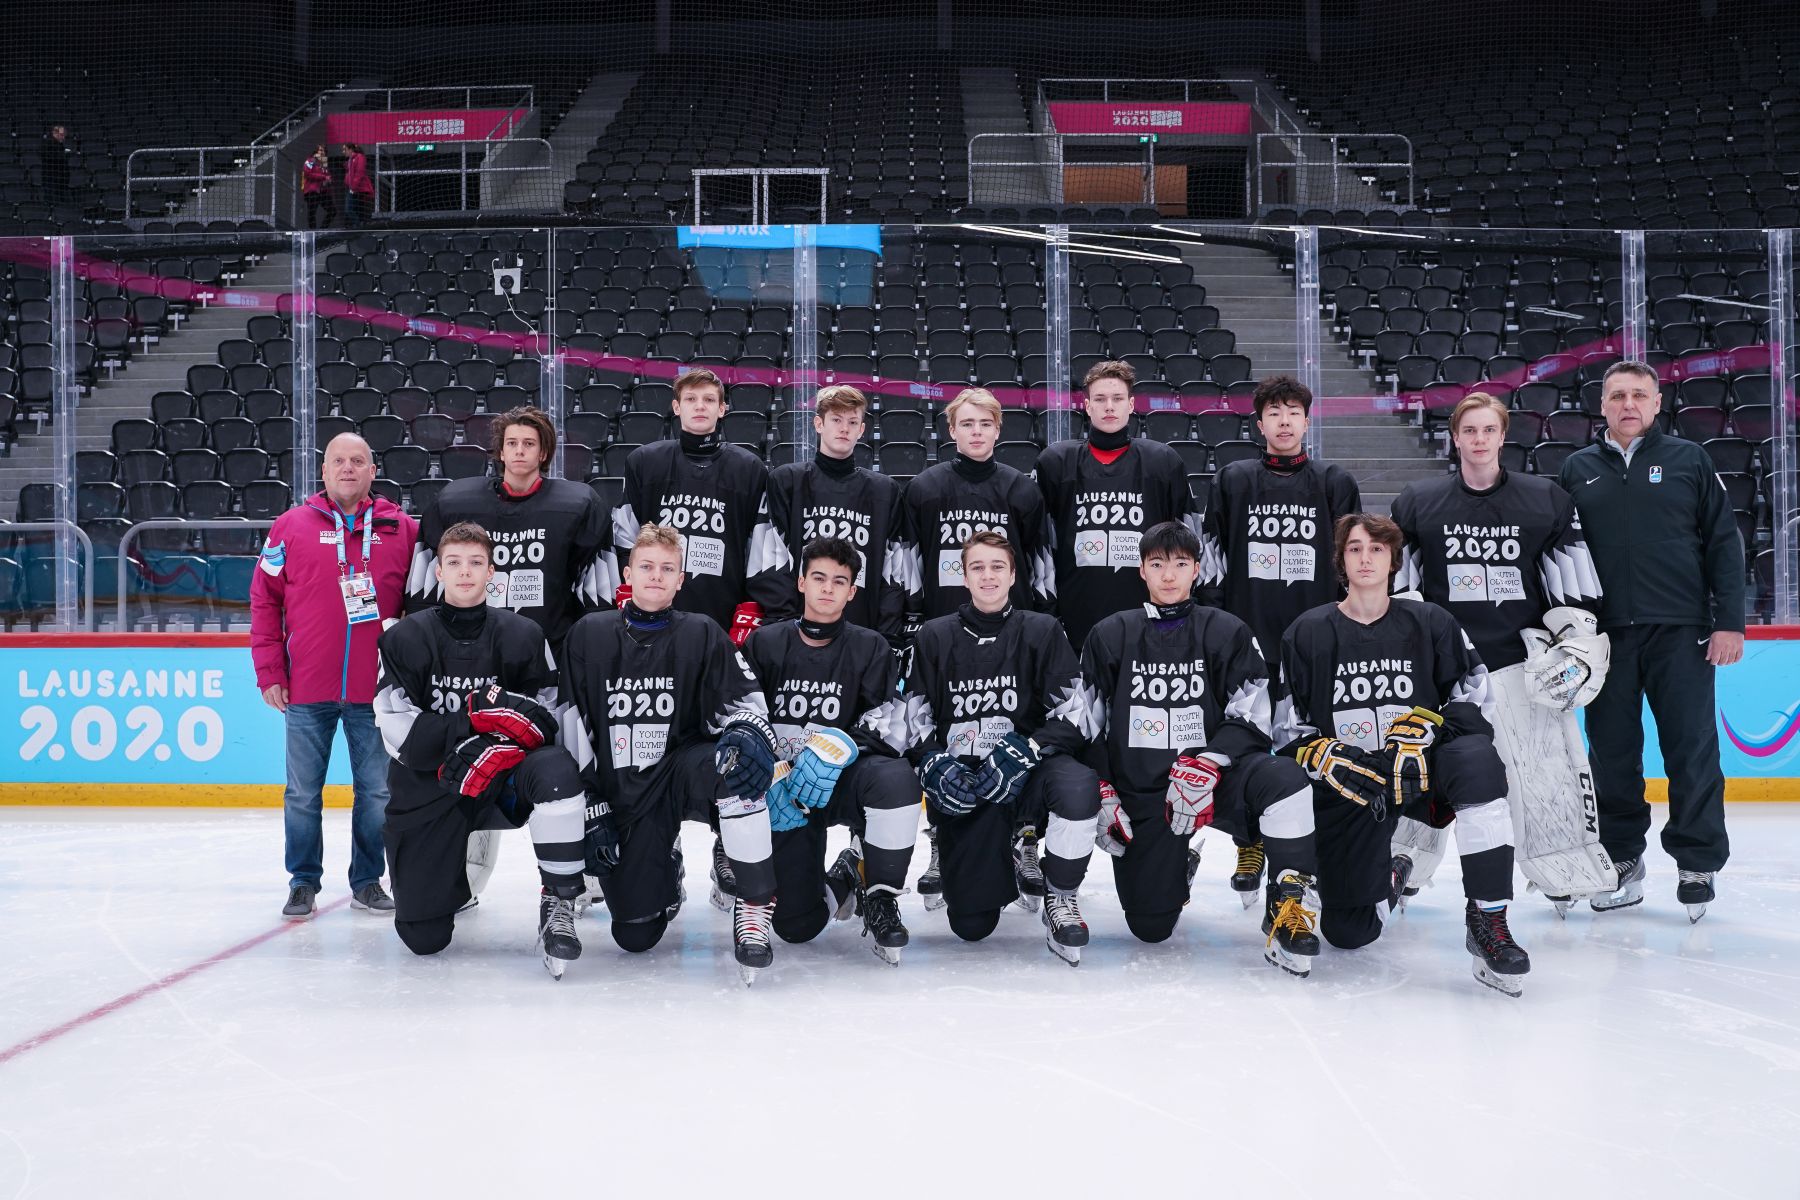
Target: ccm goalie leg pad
<point>1556,826</point>
<point>1424,846</point>
<point>484,853</point>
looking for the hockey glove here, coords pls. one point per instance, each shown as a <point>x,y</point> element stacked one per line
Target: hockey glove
<point>601,838</point>
<point>1566,663</point>
<point>517,718</point>
<point>1113,833</point>
<point>745,621</point>
<point>1352,773</point>
<point>1409,737</point>
<point>621,594</point>
<point>955,790</point>
<point>785,811</point>
<point>1014,757</point>
<point>1192,778</point>
<point>478,763</point>
<point>745,755</point>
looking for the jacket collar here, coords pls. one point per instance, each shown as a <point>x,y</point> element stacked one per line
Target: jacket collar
<point>381,511</point>
<point>1648,438</point>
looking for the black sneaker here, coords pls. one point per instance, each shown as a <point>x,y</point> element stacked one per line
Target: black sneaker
<point>300,903</point>
<point>370,898</point>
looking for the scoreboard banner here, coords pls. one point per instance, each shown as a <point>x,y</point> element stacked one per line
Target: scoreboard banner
<point>177,719</point>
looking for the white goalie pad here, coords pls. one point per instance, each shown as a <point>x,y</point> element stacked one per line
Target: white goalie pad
<point>1566,662</point>
<point>1424,845</point>
<point>484,852</point>
<point>1550,787</point>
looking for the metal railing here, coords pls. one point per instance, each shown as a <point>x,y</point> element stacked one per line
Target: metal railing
<point>523,95</point>
<point>1341,170</point>
<point>1055,163</point>
<point>760,183</point>
<point>252,165</point>
<point>387,177</point>
<point>1262,99</point>
<point>125,559</point>
<point>66,528</point>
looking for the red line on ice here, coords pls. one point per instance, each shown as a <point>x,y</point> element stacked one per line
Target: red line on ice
<point>150,989</point>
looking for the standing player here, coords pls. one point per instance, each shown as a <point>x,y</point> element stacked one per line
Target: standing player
<point>1503,553</point>
<point>1265,544</point>
<point>666,723</point>
<point>1182,698</point>
<point>553,558</point>
<point>464,707</point>
<point>998,713</point>
<point>715,495</point>
<point>1403,690</point>
<point>833,497</point>
<point>839,720</point>
<point>1101,494</point>
<point>947,504</point>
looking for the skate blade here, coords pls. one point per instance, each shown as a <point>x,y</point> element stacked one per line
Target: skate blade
<point>474,902</point>
<point>1069,954</point>
<point>556,966</point>
<point>720,900</point>
<point>933,901</point>
<point>1625,899</point>
<point>888,954</point>
<point>1695,912</point>
<point>1250,898</point>
<point>1026,904</point>
<point>1293,964</point>
<point>748,974</point>
<point>1562,905</point>
<point>1506,985</point>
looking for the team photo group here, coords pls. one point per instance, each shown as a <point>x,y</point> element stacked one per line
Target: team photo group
<point>1084,657</point>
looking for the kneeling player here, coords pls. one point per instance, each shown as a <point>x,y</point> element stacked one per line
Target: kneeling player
<point>666,723</point>
<point>840,723</point>
<point>1401,685</point>
<point>464,708</point>
<point>998,711</point>
<point>1182,702</point>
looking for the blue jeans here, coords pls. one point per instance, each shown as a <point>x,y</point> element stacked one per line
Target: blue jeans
<point>310,729</point>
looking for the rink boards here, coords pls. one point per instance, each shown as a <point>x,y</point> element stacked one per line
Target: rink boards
<point>177,720</point>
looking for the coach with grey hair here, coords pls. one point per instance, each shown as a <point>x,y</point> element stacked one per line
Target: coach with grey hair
<point>333,570</point>
<point>1670,558</point>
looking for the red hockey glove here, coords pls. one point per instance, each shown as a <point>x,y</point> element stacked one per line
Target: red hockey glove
<point>621,594</point>
<point>477,763</point>
<point>515,717</point>
<point>746,621</point>
<point>1113,831</point>
<point>1192,778</point>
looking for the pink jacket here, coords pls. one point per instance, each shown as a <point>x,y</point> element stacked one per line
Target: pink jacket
<point>315,175</point>
<point>356,175</point>
<point>299,635</point>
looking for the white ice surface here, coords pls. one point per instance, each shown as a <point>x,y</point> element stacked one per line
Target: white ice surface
<point>1647,1058</point>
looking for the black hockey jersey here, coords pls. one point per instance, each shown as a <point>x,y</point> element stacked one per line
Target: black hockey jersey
<point>1097,512</point>
<point>948,504</point>
<point>1166,688</point>
<point>863,508</point>
<point>1266,549</point>
<point>1495,559</point>
<point>1349,681</point>
<point>426,675</point>
<point>719,503</point>
<point>633,697</point>
<point>849,684</point>
<point>553,556</point>
<point>977,677</point>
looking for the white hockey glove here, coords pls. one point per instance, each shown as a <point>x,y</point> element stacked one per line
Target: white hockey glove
<point>1192,778</point>
<point>1566,662</point>
<point>1113,831</point>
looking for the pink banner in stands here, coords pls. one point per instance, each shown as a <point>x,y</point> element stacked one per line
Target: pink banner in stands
<point>427,125</point>
<point>1213,117</point>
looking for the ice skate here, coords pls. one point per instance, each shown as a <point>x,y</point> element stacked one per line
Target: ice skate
<point>931,883</point>
<point>556,933</point>
<point>1562,904</point>
<point>1027,874</point>
<point>1630,890</point>
<point>750,926</point>
<point>1064,930</point>
<point>674,910</point>
<point>1246,878</point>
<point>724,880</point>
<point>1499,961</point>
<point>1290,915</point>
<point>845,883</point>
<point>1695,891</point>
<point>1399,872</point>
<point>881,921</point>
<point>1193,869</point>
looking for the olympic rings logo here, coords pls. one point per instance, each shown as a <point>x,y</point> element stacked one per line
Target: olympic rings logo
<point>963,742</point>
<point>1148,725</point>
<point>1356,729</point>
<point>621,744</point>
<point>952,566</point>
<point>1465,581</point>
<point>1091,546</point>
<point>1263,559</point>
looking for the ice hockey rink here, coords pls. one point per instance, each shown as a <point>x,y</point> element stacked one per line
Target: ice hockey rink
<point>164,1033</point>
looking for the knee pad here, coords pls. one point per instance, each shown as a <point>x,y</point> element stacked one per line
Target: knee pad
<point>1152,927</point>
<point>803,928</point>
<point>635,937</point>
<point>972,927</point>
<point>1350,928</point>
<point>425,937</point>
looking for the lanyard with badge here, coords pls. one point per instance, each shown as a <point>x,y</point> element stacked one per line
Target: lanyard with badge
<point>358,587</point>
